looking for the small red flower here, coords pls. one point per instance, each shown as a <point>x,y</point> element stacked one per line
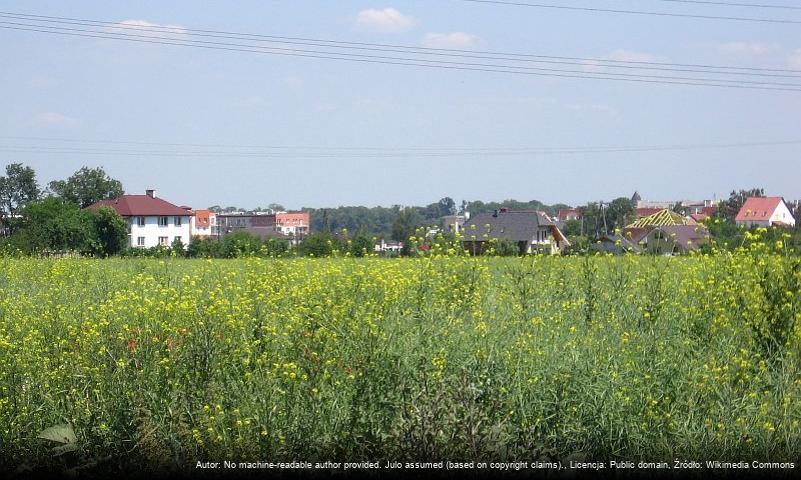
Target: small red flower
<point>132,345</point>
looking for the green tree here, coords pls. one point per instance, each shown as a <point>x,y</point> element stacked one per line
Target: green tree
<point>504,247</point>
<point>178,247</point>
<point>405,224</point>
<point>110,230</point>
<point>54,225</point>
<point>87,186</point>
<point>619,213</point>
<point>572,228</point>
<point>318,244</point>
<point>18,188</point>
<point>362,245</point>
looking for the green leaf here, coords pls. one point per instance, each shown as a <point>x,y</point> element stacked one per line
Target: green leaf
<point>66,448</point>
<point>59,433</point>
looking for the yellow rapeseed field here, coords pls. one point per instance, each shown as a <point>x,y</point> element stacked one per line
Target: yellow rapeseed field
<point>165,362</point>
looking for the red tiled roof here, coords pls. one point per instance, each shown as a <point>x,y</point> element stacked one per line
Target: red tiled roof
<point>647,212</point>
<point>203,218</point>
<point>699,217</point>
<point>711,210</point>
<point>760,209</point>
<point>564,213</point>
<point>142,205</point>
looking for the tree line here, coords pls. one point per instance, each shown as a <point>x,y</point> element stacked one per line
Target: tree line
<point>54,219</point>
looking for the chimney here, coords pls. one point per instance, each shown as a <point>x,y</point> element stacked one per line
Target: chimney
<point>150,193</point>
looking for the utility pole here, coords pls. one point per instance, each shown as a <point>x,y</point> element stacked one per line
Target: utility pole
<point>603,214</point>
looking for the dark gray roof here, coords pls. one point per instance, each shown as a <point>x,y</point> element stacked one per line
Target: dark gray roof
<point>515,225</point>
<point>686,235</point>
<point>610,242</point>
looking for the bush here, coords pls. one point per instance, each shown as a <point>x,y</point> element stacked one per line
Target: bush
<point>503,247</point>
<point>319,244</point>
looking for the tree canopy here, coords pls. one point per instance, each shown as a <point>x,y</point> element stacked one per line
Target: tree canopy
<point>87,186</point>
<point>18,188</point>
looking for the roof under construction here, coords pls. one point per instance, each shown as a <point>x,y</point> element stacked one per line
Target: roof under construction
<point>661,218</point>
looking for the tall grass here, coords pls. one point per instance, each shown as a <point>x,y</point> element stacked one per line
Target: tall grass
<point>162,363</point>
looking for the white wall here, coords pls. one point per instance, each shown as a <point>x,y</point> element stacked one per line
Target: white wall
<point>204,231</point>
<point>783,214</point>
<point>152,231</point>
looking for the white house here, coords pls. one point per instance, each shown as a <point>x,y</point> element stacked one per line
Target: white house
<point>151,220</point>
<point>765,212</point>
<point>204,224</point>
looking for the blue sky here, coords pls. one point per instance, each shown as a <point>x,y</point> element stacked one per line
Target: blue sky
<point>88,90</point>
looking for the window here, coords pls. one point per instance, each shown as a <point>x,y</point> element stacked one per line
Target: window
<point>140,221</point>
<point>162,222</point>
<point>163,241</point>
<point>177,221</point>
<point>140,241</point>
<point>178,239</point>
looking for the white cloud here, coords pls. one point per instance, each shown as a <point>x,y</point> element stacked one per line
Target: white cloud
<point>748,48</point>
<point>794,60</point>
<point>143,27</point>
<point>630,56</point>
<point>388,20</point>
<point>54,119</point>
<point>450,40</point>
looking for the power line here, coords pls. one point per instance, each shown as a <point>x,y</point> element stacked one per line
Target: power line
<point>298,152</point>
<point>613,75</point>
<point>347,44</point>
<point>635,12</point>
<point>416,62</point>
<point>734,4</point>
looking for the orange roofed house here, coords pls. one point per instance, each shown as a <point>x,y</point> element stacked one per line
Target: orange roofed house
<point>765,212</point>
<point>151,221</point>
<point>204,224</point>
<point>295,224</point>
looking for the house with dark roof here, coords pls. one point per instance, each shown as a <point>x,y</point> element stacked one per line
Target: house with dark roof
<point>152,221</point>
<point>765,212</point>
<point>673,239</point>
<point>616,244</point>
<point>532,231</point>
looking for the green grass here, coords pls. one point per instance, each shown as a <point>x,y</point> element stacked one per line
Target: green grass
<point>163,363</point>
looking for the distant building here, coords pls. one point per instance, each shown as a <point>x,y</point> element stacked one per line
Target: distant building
<point>454,223</point>
<point>765,212</point>
<point>661,218</point>
<point>643,212</point>
<point>616,244</point>
<point>673,239</point>
<point>530,230</point>
<point>383,247</point>
<point>204,224</point>
<point>255,222</point>
<point>566,214</point>
<point>151,221</point>
<point>295,224</point>
<point>661,205</point>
